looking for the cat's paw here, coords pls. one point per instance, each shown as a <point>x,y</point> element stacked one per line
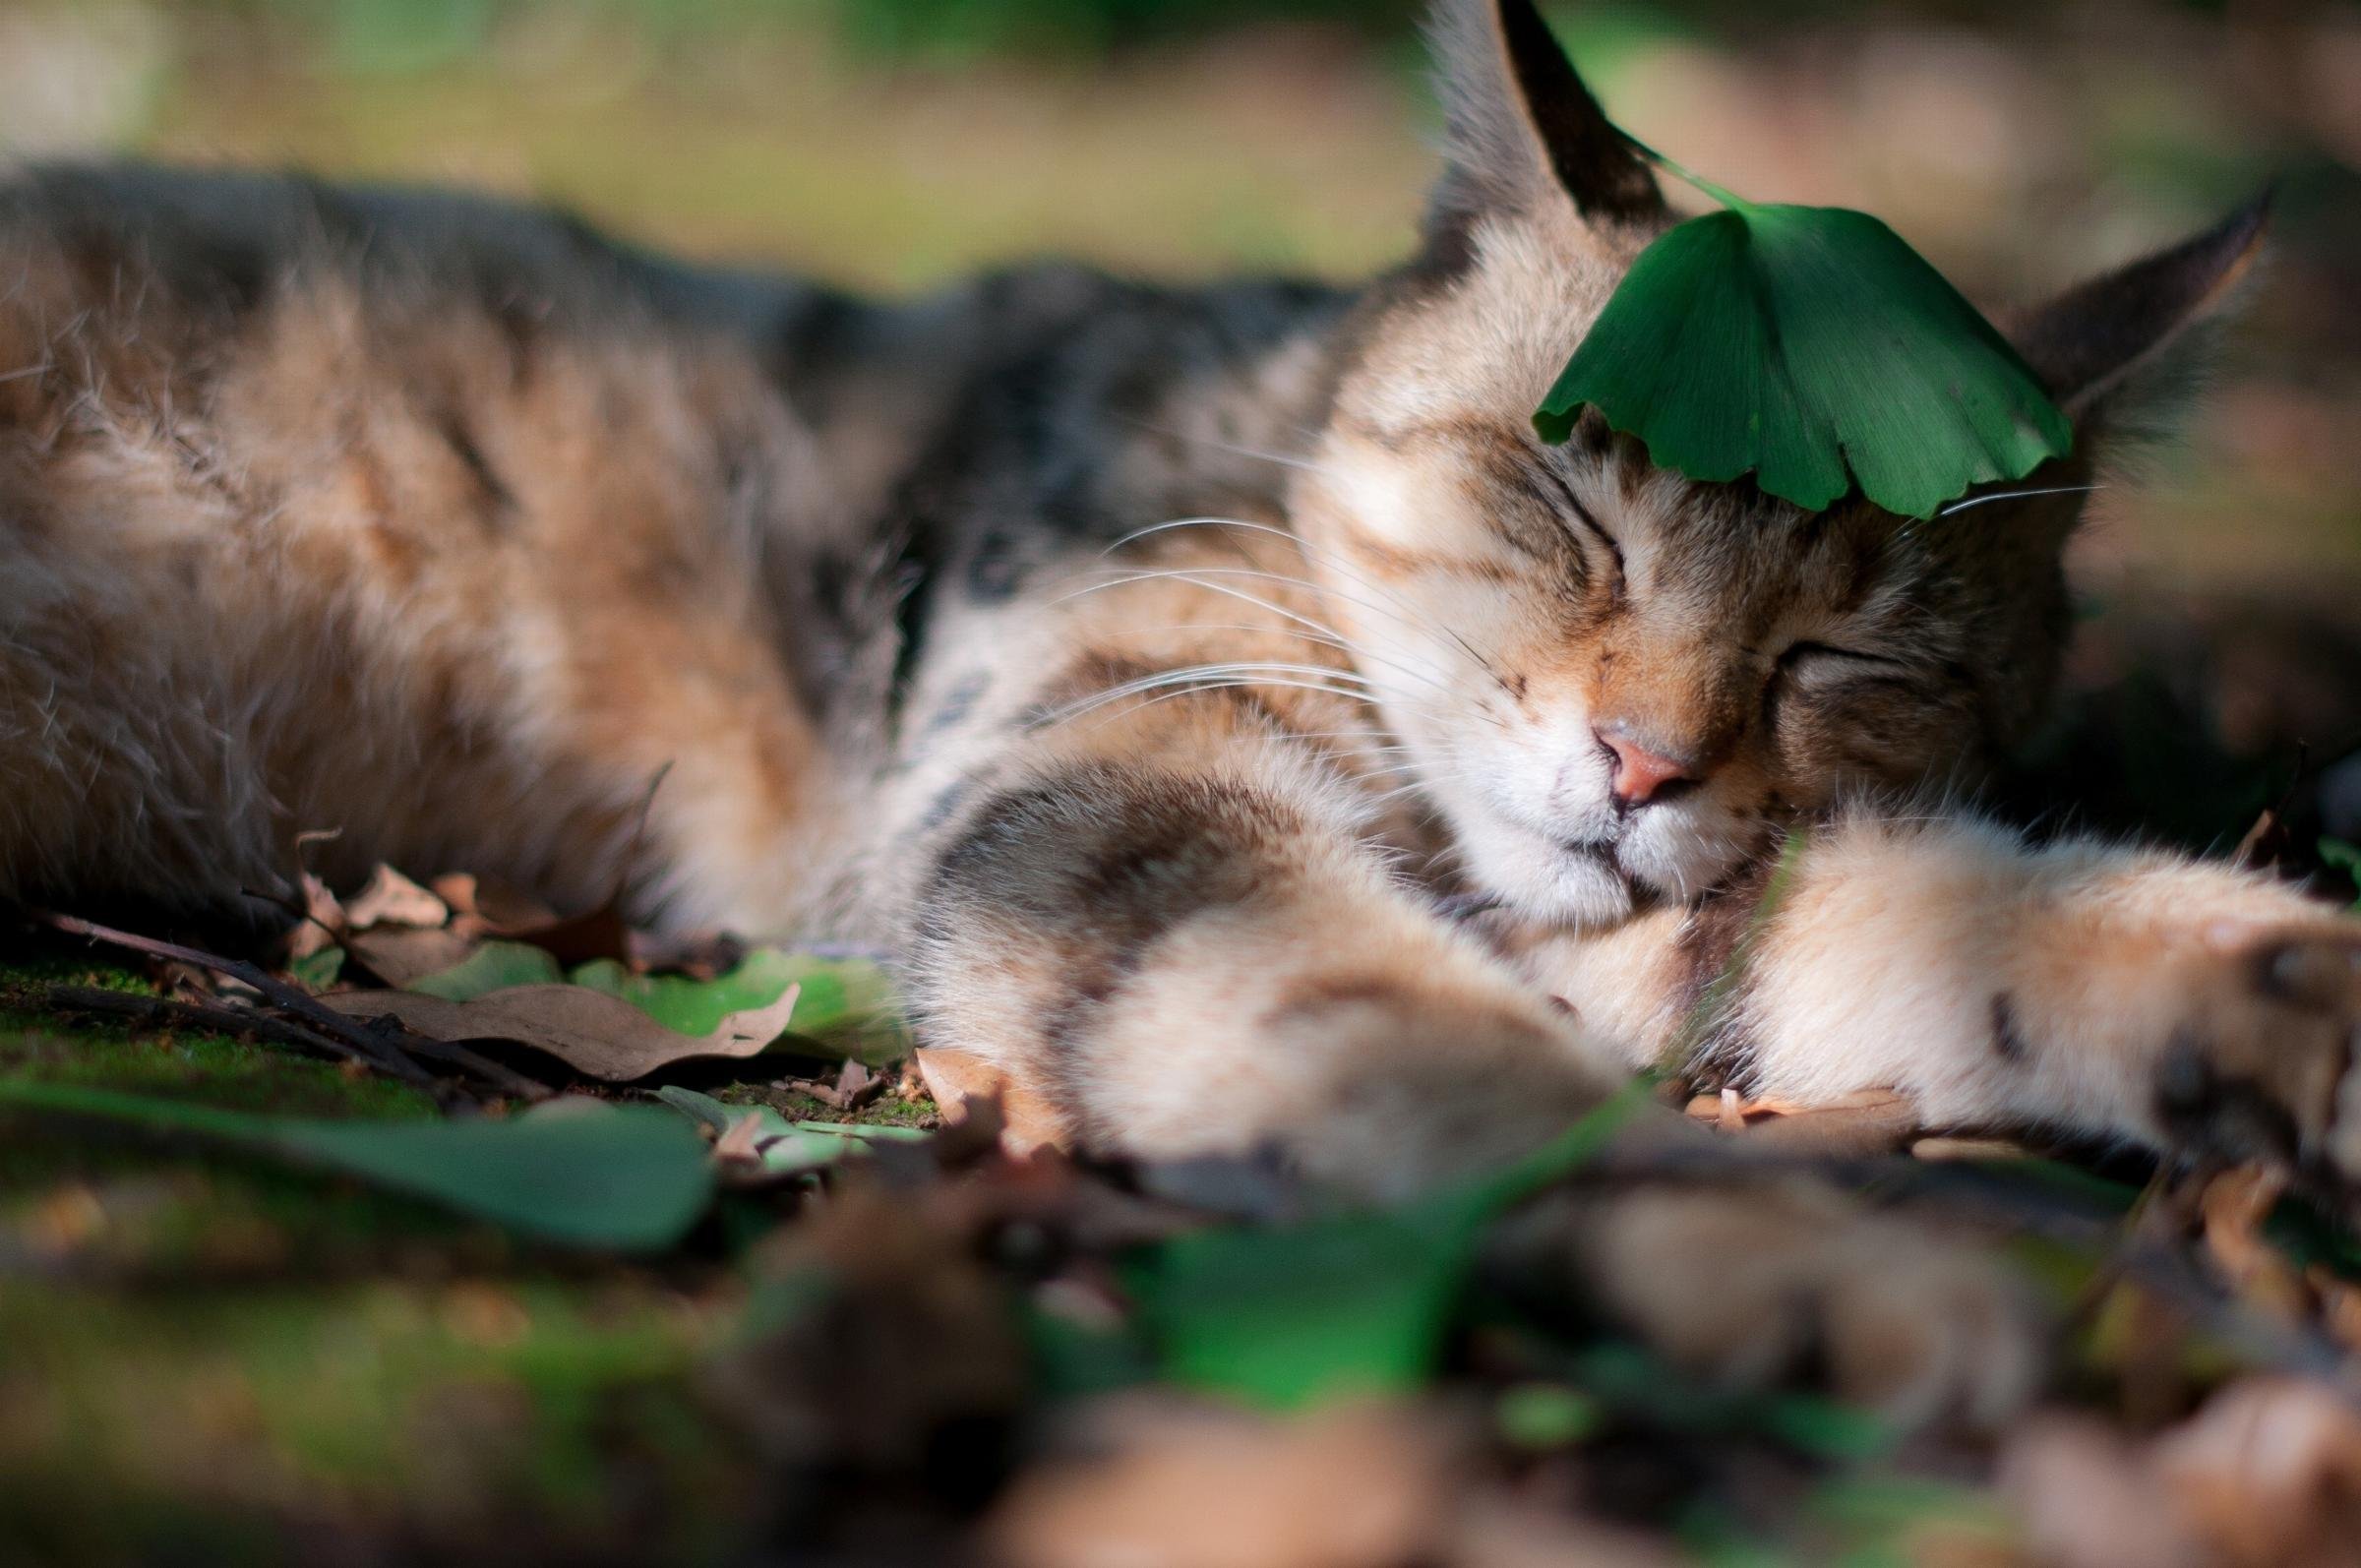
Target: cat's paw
<point>2261,1061</point>
<point>1746,1289</point>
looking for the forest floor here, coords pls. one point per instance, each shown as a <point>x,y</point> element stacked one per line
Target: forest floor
<point>257,1340</point>
<point>411,1302</point>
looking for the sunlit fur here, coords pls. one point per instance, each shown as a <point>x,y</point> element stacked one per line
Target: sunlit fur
<point>1543,594</point>
<point>1163,674</point>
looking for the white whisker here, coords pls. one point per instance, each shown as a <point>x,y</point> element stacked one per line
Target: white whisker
<point>2016,494</point>
<point>1194,689</point>
<point>1204,678</point>
<point>1412,613</point>
<point>1196,576</point>
<point>1312,630</point>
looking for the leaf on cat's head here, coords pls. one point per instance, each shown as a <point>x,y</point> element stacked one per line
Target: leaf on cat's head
<point>1810,347</point>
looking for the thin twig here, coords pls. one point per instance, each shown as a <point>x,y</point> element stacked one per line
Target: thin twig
<point>502,1077</point>
<point>160,1012</point>
<point>381,1051</point>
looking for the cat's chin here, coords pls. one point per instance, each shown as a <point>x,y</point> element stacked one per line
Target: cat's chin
<point>1552,883</point>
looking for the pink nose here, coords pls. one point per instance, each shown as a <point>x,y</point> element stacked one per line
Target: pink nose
<point>1640,774</point>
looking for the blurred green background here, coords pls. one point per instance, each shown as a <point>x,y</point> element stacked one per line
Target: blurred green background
<point>894,142</point>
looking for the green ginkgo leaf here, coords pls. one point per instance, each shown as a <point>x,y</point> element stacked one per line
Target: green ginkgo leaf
<point>1810,347</point>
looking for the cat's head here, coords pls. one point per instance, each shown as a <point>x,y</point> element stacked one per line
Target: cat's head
<point>1615,682</point>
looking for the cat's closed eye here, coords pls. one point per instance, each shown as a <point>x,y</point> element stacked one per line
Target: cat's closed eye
<point>1800,653</point>
<point>1561,499</point>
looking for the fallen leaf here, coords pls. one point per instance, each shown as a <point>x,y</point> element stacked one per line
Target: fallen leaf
<point>737,1145</point>
<point>599,934</point>
<point>400,955</point>
<point>1880,1125</point>
<point>2234,1205</point>
<point>778,1146</point>
<point>322,921</point>
<point>1176,1486</point>
<point>2339,1305</point>
<point>1947,1148</point>
<point>847,1008</point>
<point>317,971</point>
<point>2086,1499</point>
<point>591,1032</point>
<point>1863,1121</point>
<point>485,905</point>
<point>2269,1474</point>
<point>956,1077</point>
<point>853,1087</point>
<point>878,1340</point>
<point>494,966</point>
<point>626,1177</point>
<point>393,899</point>
<point>1287,1315</point>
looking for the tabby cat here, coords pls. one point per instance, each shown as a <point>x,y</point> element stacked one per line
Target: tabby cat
<point>1164,674</point>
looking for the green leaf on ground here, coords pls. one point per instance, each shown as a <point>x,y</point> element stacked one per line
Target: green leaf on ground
<point>846,1008</point>
<point>590,1031</point>
<point>2346,858</point>
<point>627,1178</point>
<point>1811,347</point>
<point>1287,1315</point>
<point>495,965</point>
<point>316,971</point>
<point>785,1148</point>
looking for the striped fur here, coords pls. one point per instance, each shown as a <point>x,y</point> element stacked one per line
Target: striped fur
<point>1148,665</point>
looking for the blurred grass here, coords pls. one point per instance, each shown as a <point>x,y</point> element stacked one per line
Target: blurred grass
<point>891,144</point>
<point>205,1351</point>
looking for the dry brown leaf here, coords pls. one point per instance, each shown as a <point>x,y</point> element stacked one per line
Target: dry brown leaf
<point>498,907</point>
<point>1865,1121</point>
<point>1493,1532</point>
<point>902,1341</point>
<point>2234,1205</point>
<point>601,1036</point>
<point>1727,1102</point>
<point>737,1146</point>
<point>2339,1305</point>
<point>2269,1474</point>
<point>393,899</point>
<point>1947,1148</point>
<point>2086,1497</point>
<point>321,924</point>
<point>577,938</point>
<point>1178,1485</point>
<point>853,1087</point>
<point>1880,1127</point>
<point>401,954</point>
<point>955,1078</point>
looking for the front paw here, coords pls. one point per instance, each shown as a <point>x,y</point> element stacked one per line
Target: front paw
<point>2261,1065</point>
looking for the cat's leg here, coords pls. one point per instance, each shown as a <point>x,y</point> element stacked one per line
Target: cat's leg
<point>2096,990</point>
<point>1175,926</point>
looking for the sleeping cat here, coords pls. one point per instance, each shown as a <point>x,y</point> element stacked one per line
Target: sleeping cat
<point>1152,669</point>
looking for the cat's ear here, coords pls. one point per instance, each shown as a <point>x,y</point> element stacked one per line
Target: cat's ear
<point>1521,129</point>
<point>2123,349</point>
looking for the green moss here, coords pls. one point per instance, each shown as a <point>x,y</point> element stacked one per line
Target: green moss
<point>886,1111</point>
<point>443,1409</point>
<point>203,1347</point>
<point>41,1044</point>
